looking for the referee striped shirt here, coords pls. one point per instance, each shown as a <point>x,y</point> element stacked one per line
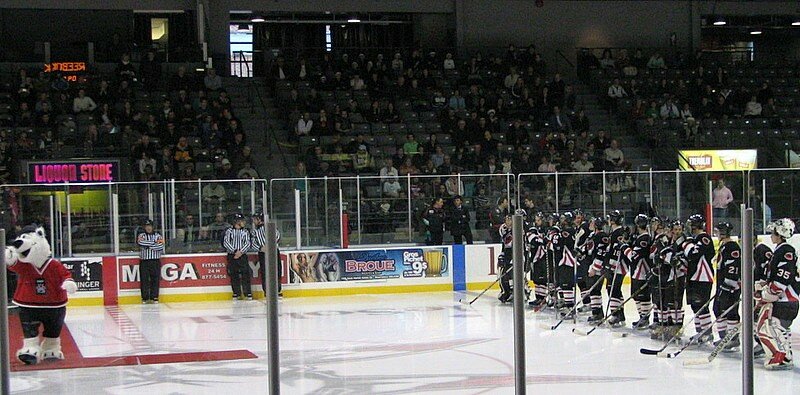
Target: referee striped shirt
<point>236,240</point>
<point>259,237</point>
<point>151,245</point>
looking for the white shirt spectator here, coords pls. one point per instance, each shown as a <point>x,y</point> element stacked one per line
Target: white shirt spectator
<point>392,188</point>
<point>357,83</point>
<point>617,91</point>
<point>449,64</point>
<point>304,127</point>
<point>582,166</point>
<point>83,104</point>
<point>614,155</point>
<point>686,113</point>
<point>454,187</point>
<point>752,109</point>
<point>212,81</point>
<point>669,111</point>
<point>511,80</point>
<point>388,174</point>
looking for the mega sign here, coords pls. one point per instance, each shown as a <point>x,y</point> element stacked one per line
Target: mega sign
<point>73,171</point>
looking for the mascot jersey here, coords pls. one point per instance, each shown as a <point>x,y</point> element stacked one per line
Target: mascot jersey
<point>41,287</point>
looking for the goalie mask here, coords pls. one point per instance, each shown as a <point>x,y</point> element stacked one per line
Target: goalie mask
<point>783,227</point>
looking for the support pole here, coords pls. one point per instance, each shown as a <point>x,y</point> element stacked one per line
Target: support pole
<point>747,300</point>
<point>69,223</point>
<point>519,318</point>
<point>710,208</point>
<point>764,206</point>
<point>297,228</point>
<point>408,198</point>
<point>556,189</point>
<point>115,221</point>
<point>677,193</point>
<point>273,340</point>
<point>604,195</point>
<point>358,206</point>
<point>5,366</point>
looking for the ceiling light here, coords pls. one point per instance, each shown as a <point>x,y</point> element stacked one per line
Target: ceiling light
<point>796,23</point>
<point>756,31</point>
<point>257,19</point>
<point>719,21</point>
<point>353,19</point>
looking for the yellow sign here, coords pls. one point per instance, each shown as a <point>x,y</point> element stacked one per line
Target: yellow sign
<point>717,160</point>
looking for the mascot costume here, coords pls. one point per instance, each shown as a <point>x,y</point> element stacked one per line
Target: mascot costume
<point>42,287</point>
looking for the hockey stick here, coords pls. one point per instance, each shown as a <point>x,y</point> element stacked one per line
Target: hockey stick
<point>732,333</point>
<point>677,336</point>
<point>621,306</point>
<point>462,301</point>
<point>573,311</point>
<point>701,334</point>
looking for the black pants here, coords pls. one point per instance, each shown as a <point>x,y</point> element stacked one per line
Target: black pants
<point>614,290</point>
<point>437,238</point>
<point>644,294</point>
<point>724,300</point>
<point>51,319</point>
<point>583,279</point>
<point>262,270</point>
<point>466,234</point>
<point>786,312</point>
<point>566,283</point>
<point>150,274</point>
<point>240,274</point>
<point>697,294</point>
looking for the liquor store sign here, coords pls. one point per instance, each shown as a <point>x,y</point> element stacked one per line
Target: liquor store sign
<point>80,171</point>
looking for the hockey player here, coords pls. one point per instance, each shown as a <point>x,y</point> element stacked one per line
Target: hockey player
<point>563,243</point>
<point>553,231</point>
<point>699,253</point>
<point>663,280</point>
<point>597,249</point>
<point>537,245</point>
<point>729,263</point>
<point>640,262</point>
<point>617,268</point>
<point>777,298</point>
<point>582,233</point>
<point>505,260</point>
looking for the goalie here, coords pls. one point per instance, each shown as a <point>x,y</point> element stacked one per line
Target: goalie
<point>777,298</point>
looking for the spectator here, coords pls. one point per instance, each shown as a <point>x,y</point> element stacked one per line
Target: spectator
<point>669,110</point>
<point>150,70</point>
<point>304,125</point>
<point>458,221</point>
<point>408,167</point>
<point>214,192</point>
<point>181,80</point>
<point>454,186</point>
<point>613,156</point>
<point>686,112</point>
<point>456,102</point>
<point>656,62</point>
<point>546,166</point>
<point>362,160</point>
<point>218,227</point>
<point>226,171</point>
<point>616,92</point>
<point>607,60</point>
<point>560,122</point>
<point>753,108</point>
<point>583,165</point>
<point>125,70</point>
<point>388,172</point>
<point>247,171</point>
<point>392,188</point>
<point>183,155</point>
<point>411,146</point>
<point>581,123</point>
<point>212,81</point>
<point>83,103</point>
<point>357,83</point>
<point>721,198</point>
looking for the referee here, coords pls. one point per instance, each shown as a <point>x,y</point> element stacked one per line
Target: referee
<point>237,242</point>
<point>259,238</point>
<point>151,247</point>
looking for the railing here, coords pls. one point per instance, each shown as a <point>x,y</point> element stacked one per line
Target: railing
<point>83,219</point>
<point>311,211</point>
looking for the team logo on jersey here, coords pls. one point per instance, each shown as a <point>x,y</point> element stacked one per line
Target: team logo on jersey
<point>706,240</point>
<point>735,254</point>
<point>606,240</point>
<point>768,254</point>
<point>788,256</point>
<point>565,234</point>
<point>41,288</point>
<point>643,243</point>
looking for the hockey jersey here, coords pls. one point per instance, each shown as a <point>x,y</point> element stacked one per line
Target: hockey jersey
<point>761,257</point>
<point>563,243</point>
<point>699,253</point>
<point>782,277</point>
<point>729,264</point>
<point>600,243</point>
<point>639,257</point>
<point>658,251</point>
<point>40,288</point>
<point>616,248</point>
<point>536,244</point>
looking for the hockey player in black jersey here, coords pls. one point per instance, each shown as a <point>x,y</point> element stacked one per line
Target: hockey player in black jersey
<point>505,260</point>
<point>563,244</point>
<point>729,264</point>
<point>777,298</point>
<point>597,249</point>
<point>663,285</point>
<point>699,253</point>
<point>582,233</point>
<point>640,263</point>
<point>617,267</point>
<point>537,246</point>
<point>553,232</point>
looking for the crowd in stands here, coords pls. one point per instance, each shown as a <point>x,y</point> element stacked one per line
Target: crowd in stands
<point>434,114</point>
<point>689,98</point>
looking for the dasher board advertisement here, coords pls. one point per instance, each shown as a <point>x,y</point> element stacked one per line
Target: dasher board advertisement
<point>718,160</point>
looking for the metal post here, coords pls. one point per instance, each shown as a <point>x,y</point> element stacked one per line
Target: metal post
<point>508,191</point>
<point>60,229</point>
<point>408,197</point>
<point>747,300</point>
<point>652,198</point>
<point>677,194</point>
<point>163,212</point>
<point>556,189</point>
<point>604,195</point>
<point>764,206</point>
<point>52,222</point>
<point>358,206</point>
<point>306,209</point>
<point>297,229</point>
<point>150,210</point>
<point>273,341</point>
<point>5,364</point>
<point>173,210</point>
<point>69,224</point>
<point>115,221</point>
<point>519,318</point>
<point>341,215</point>
<point>252,196</point>
<point>325,213</point>
<point>710,219</point>
<point>199,203</point>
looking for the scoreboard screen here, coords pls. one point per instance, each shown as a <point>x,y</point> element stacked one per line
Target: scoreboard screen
<point>69,71</point>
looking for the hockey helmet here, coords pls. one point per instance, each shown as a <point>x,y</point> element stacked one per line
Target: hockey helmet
<point>238,217</point>
<point>579,213</point>
<point>568,216</point>
<point>783,227</point>
<point>724,228</point>
<point>641,221</point>
<point>521,212</point>
<point>257,214</point>
<point>554,218</point>
<point>147,222</point>
<point>616,217</point>
<point>599,222</point>
<point>696,221</point>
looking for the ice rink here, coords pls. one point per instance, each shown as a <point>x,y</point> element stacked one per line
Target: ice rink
<point>366,344</point>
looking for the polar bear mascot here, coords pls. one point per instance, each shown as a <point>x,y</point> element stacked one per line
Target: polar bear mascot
<point>42,287</point>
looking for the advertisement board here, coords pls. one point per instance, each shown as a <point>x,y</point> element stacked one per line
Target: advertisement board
<point>718,160</point>
<point>480,264</point>
<point>80,171</point>
<point>87,272</point>
<point>354,265</point>
<point>182,271</point>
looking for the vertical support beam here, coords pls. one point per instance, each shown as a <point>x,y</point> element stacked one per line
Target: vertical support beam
<point>69,223</point>
<point>341,217</point>
<point>764,206</point>
<point>52,223</point>
<point>747,300</point>
<point>519,317</point>
<point>47,52</point>
<point>652,197</point>
<point>173,211</point>
<point>306,208</point>
<point>604,195</point>
<point>408,197</point>
<point>115,221</point>
<point>5,364</point>
<point>201,27</point>
<point>90,52</point>
<point>297,229</point>
<point>556,189</point>
<point>677,194</point>
<point>710,208</point>
<point>273,333</point>
<point>199,203</point>
<point>252,196</point>
<point>358,206</point>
